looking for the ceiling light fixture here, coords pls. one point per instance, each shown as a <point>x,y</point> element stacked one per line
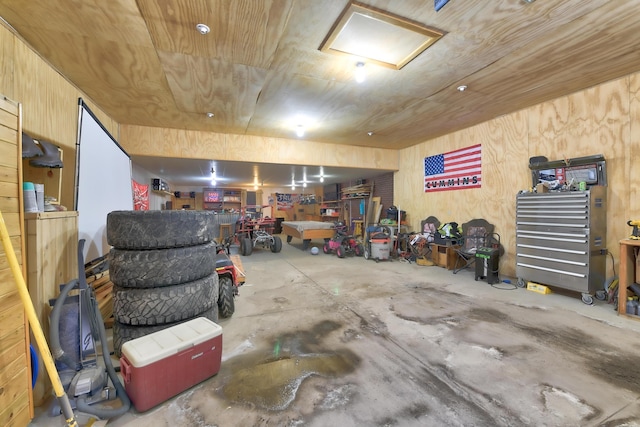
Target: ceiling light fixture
<point>462,88</point>
<point>300,131</point>
<point>210,115</point>
<point>370,133</point>
<point>380,37</point>
<point>361,73</point>
<point>203,29</point>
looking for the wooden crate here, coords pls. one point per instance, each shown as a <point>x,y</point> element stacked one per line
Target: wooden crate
<point>444,255</point>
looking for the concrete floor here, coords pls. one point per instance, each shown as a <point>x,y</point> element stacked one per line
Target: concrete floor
<point>319,341</point>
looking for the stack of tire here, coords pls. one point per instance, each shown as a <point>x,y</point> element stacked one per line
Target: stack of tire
<point>162,265</point>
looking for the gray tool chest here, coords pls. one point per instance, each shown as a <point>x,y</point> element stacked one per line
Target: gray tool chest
<point>561,238</point>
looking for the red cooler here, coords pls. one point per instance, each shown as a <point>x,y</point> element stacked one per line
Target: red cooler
<point>160,365</point>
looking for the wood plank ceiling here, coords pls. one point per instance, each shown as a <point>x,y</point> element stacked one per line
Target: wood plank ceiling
<point>144,62</point>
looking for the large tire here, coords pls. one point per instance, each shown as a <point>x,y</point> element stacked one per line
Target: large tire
<point>159,229</point>
<point>276,246</point>
<point>226,304</point>
<point>167,304</point>
<point>123,333</point>
<point>248,246</point>
<point>161,267</point>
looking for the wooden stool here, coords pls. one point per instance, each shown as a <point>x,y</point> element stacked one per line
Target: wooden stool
<point>225,231</point>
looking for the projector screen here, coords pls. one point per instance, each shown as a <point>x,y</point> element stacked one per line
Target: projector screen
<point>102,182</point>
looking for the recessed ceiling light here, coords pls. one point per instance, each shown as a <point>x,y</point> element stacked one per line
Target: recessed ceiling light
<point>203,29</point>
<point>370,133</point>
<point>462,88</point>
<point>210,115</point>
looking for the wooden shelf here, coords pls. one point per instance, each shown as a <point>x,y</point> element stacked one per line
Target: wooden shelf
<point>361,191</point>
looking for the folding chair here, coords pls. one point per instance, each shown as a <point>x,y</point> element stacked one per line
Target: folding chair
<point>429,227</point>
<point>476,233</point>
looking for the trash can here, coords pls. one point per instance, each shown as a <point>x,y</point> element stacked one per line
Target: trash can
<point>487,264</point>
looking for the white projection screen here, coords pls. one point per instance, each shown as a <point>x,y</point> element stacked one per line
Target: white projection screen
<point>102,182</point>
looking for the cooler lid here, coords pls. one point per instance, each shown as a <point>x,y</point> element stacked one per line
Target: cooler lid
<point>167,342</point>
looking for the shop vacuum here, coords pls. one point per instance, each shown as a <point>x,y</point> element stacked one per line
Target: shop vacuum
<point>75,326</point>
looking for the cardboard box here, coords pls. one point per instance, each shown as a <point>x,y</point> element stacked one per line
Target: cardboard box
<point>536,287</point>
<point>542,188</point>
<point>160,365</point>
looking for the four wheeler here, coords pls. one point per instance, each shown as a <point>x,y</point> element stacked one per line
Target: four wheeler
<point>342,243</point>
<point>253,230</point>
<point>229,283</point>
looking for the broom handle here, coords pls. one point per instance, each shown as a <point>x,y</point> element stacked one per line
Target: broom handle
<point>65,405</point>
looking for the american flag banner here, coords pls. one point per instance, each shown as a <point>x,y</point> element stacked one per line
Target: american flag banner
<point>455,170</point>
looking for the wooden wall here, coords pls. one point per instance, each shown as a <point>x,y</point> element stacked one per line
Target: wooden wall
<point>602,120</point>
<point>49,103</point>
<point>15,375</point>
<point>49,111</point>
<point>160,142</point>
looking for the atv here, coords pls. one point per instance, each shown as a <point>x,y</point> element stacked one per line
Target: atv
<point>342,243</point>
<point>253,230</point>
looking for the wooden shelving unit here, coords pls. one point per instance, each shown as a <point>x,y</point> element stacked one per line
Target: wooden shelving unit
<point>627,274</point>
<point>331,210</point>
<point>228,199</point>
<point>357,193</point>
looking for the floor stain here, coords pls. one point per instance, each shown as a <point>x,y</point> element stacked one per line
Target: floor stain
<point>269,379</point>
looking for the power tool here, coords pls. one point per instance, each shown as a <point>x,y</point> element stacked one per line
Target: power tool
<point>635,235</point>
